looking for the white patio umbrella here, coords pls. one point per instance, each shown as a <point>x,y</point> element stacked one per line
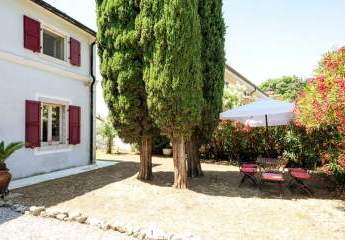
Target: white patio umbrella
<point>261,113</point>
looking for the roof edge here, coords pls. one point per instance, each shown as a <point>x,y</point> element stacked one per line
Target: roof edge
<point>245,79</point>
<point>64,16</point>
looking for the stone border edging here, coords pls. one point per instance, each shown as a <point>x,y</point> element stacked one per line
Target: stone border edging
<point>152,233</point>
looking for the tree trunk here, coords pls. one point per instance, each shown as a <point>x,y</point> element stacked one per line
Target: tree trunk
<point>145,168</point>
<point>109,145</point>
<point>193,159</point>
<point>180,171</point>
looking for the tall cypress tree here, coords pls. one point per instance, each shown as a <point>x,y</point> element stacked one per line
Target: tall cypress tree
<point>213,63</point>
<point>172,41</point>
<point>122,71</point>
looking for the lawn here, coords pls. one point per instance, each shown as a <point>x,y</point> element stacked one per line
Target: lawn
<point>213,207</point>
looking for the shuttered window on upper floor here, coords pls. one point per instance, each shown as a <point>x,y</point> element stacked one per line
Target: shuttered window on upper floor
<point>32,34</point>
<point>54,43</point>
<point>74,52</point>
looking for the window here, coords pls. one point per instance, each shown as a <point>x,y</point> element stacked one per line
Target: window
<point>53,124</point>
<point>53,45</point>
<point>39,38</point>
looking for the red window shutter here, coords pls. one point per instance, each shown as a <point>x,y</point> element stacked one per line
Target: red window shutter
<point>74,125</point>
<point>74,52</point>
<point>32,124</point>
<point>32,34</point>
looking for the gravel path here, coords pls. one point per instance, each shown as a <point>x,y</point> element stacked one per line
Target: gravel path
<point>213,208</point>
<point>14,226</point>
<point>7,215</point>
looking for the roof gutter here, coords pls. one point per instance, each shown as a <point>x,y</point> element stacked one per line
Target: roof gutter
<point>92,46</point>
<point>252,92</point>
<point>64,16</point>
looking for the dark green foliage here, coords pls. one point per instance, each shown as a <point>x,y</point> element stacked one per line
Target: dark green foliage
<point>288,87</point>
<point>170,36</point>
<point>337,171</point>
<point>301,148</point>
<point>122,68</point>
<point>213,63</point>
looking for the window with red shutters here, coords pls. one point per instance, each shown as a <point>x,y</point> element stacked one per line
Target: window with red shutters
<point>74,52</point>
<point>74,125</point>
<point>32,124</point>
<point>32,34</point>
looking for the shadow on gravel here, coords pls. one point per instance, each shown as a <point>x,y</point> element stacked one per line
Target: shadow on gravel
<point>60,190</point>
<point>226,184</point>
<point>6,214</point>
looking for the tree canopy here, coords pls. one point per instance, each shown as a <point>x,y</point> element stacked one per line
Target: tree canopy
<point>213,63</point>
<point>173,69</point>
<point>122,70</point>
<point>171,39</point>
<point>212,68</point>
<point>287,87</point>
<point>163,66</point>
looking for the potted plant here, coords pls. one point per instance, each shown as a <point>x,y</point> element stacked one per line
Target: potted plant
<point>167,151</point>
<point>5,175</point>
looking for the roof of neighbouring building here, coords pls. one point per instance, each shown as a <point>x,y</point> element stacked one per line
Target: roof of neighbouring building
<point>64,16</point>
<point>244,79</point>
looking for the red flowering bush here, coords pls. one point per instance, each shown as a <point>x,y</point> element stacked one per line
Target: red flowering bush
<point>341,160</point>
<point>322,103</point>
<point>323,100</point>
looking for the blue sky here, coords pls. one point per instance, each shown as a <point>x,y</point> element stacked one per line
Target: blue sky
<point>265,38</point>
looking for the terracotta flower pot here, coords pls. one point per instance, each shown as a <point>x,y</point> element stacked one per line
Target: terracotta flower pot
<point>5,178</point>
<point>167,151</point>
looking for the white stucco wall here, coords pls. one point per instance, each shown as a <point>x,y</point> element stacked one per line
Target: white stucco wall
<point>11,40</point>
<point>25,75</point>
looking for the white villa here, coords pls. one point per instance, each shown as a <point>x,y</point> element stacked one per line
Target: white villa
<point>47,99</point>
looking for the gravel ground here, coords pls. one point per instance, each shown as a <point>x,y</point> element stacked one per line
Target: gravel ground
<point>14,226</point>
<point>213,208</point>
<point>6,215</point>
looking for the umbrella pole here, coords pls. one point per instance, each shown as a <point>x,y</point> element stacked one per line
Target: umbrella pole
<point>266,122</point>
<point>266,149</point>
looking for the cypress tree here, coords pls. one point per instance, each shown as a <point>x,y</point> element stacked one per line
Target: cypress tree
<point>122,71</point>
<point>213,63</point>
<point>172,41</point>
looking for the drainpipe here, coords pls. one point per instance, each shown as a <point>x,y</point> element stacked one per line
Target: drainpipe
<point>251,93</point>
<point>92,102</point>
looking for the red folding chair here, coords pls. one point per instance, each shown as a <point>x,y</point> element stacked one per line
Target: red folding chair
<point>248,170</point>
<point>272,177</point>
<point>298,178</point>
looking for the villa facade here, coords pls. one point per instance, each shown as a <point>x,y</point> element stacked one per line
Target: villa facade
<point>47,65</point>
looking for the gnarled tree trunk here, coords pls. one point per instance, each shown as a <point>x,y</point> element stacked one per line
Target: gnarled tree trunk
<point>193,159</point>
<point>109,145</point>
<point>145,168</point>
<point>180,171</point>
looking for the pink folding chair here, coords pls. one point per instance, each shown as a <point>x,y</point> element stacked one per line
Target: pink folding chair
<point>248,170</point>
<point>298,178</point>
<point>273,177</point>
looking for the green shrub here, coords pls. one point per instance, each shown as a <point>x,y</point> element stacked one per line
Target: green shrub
<point>235,142</point>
